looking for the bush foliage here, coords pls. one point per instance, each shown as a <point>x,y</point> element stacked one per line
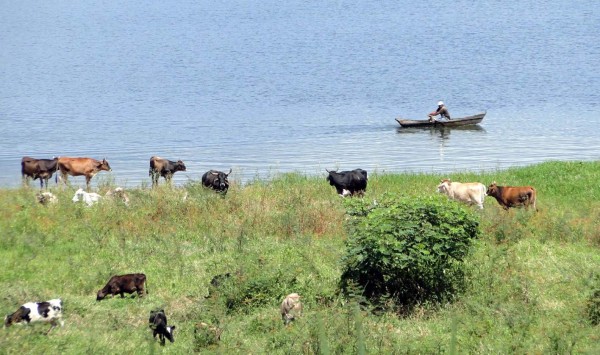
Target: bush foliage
<point>408,250</point>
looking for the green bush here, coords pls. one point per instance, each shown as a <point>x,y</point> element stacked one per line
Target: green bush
<point>593,303</point>
<point>407,251</point>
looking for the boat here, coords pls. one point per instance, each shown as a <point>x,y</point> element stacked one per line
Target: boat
<point>455,122</point>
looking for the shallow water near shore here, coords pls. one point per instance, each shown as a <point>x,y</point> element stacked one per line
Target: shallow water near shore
<point>265,88</point>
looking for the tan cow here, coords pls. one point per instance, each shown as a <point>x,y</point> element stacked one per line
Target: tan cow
<point>468,192</point>
<point>513,196</point>
<point>81,166</point>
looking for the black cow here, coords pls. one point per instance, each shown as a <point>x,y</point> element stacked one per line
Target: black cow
<point>165,168</point>
<point>348,182</point>
<point>38,169</point>
<point>158,324</point>
<point>216,180</point>
<point>118,285</point>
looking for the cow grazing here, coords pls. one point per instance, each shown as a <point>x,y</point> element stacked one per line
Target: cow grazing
<point>165,168</point>
<point>158,324</point>
<point>290,308</point>
<point>513,196</point>
<point>31,312</point>
<point>468,192</point>
<point>38,169</point>
<point>46,198</point>
<point>216,180</point>
<point>348,182</point>
<point>118,194</point>
<point>81,166</point>
<point>89,198</point>
<point>118,285</point>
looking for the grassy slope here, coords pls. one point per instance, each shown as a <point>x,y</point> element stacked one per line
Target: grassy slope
<point>531,273</point>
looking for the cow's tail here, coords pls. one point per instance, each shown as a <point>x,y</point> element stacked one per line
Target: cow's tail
<point>532,198</point>
<point>146,282</point>
<point>483,191</point>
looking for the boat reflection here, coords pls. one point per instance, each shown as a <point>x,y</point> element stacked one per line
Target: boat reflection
<point>440,131</point>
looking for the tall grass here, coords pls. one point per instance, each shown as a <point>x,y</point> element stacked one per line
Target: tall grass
<point>530,276</point>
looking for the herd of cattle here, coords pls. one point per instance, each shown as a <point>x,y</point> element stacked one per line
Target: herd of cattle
<point>52,311</point>
<point>43,169</point>
<point>346,183</point>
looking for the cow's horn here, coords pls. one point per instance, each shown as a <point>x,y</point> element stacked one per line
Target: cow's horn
<point>230,169</point>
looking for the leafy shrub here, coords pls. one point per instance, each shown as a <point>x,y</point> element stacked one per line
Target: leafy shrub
<point>407,250</point>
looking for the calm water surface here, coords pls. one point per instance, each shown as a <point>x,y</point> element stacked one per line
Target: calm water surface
<point>270,87</point>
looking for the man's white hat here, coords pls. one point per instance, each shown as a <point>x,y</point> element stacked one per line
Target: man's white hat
<point>440,103</point>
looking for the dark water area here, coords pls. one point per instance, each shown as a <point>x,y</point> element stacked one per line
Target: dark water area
<point>269,87</point>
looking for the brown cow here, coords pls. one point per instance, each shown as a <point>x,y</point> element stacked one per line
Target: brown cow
<point>120,284</point>
<point>165,168</point>
<point>81,166</point>
<point>38,169</point>
<point>512,196</point>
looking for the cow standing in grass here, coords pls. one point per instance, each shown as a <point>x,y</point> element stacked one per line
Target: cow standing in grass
<point>38,169</point>
<point>513,196</point>
<point>158,324</point>
<point>216,180</point>
<point>32,312</point>
<point>472,193</point>
<point>165,168</point>
<point>118,285</point>
<point>87,167</point>
<point>348,183</point>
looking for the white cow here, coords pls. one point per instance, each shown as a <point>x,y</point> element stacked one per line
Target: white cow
<point>468,192</point>
<point>290,308</point>
<point>88,197</point>
<point>49,311</point>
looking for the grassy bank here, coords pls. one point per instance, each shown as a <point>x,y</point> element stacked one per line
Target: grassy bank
<point>530,275</point>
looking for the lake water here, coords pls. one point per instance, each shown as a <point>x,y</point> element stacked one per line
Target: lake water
<point>266,87</point>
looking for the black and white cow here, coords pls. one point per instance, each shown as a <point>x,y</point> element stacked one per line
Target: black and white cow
<point>348,182</point>
<point>32,312</point>
<point>158,324</point>
<point>216,180</point>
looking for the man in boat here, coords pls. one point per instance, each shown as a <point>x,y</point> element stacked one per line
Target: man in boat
<point>442,110</point>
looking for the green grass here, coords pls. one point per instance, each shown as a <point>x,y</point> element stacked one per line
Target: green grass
<point>530,275</point>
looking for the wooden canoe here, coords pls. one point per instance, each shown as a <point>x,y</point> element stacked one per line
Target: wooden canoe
<point>463,121</point>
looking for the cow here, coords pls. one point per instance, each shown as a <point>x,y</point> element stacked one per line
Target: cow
<point>165,168</point>
<point>81,166</point>
<point>118,194</point>
<point>348,182</point>
<point>32,312</point>
<point>88,197</point>
<point>38,169</point>
<point>216,180</point>
<point>513,196</point>
<point>468,192</point>
<point>121,284</point>
<point>46,198</point>
<point>158,324</point>
<point>290,308</point>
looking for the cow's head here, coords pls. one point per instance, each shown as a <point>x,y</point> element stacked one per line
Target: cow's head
<point>220,181</point>
<point>492,190</point>
<point>331,177</point>
<point>103,165</point>
<point>169,334</point>
<point>444,186</point>
<point>101,294</point>
<point>179,166</point>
